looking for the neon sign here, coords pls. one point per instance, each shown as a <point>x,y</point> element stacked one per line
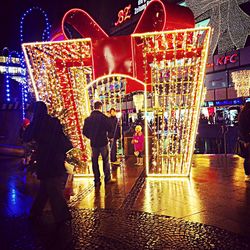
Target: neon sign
<point>123,15</point>
<point>223,60</point>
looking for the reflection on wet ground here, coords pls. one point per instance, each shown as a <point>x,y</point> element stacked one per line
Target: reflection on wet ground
<point>135,212</point>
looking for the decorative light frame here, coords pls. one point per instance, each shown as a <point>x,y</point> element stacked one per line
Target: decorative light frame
<point>117,100</point>
<point>43,59</point>
<point>58,72</point>
<point>159,60</point>
<point>174,65</point>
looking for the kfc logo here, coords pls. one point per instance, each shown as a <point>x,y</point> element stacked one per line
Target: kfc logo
<point>224,60</point>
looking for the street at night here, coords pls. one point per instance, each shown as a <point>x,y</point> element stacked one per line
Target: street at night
<point>125,124</point>
<point>210,210</point>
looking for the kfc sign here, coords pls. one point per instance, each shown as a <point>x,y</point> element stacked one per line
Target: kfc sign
<point>223,60</point>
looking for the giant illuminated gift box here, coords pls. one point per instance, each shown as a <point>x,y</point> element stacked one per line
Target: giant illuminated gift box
<point>165,57</point>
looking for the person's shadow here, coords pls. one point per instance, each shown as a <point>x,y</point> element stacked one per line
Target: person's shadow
<point>97,199</point>
<point>51,235</point>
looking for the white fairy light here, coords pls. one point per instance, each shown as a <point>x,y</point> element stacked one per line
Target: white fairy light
<point>241,81</point>
<point>230,24</point>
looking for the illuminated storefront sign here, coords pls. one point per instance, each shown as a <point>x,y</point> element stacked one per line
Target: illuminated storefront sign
<point>219,62</point>
<point>223,60</point>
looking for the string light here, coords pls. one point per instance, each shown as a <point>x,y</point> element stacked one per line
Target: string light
<point>113,88</point>
<point>45,37</point>
<point>7,80</point>
<point>59,72</point>
<point>13,66</point>
<point>13,57</point>
<point>24,91</point>
<point>241,81</point>
<point>46,31</point>
<point>229,22</point>
<point>177,62</point>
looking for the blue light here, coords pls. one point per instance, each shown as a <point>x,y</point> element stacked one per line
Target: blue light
<point>46,34</point>
<point>45,37</point>
<point>7,86</point>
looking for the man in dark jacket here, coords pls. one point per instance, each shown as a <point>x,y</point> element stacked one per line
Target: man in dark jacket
<point>95,128</point>
<point>48,134</point>
<point>244,129</point>
<point>114,135</point>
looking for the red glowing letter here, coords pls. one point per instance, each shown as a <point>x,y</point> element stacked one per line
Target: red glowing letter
<point>233,59</point>
<point>227,59</point>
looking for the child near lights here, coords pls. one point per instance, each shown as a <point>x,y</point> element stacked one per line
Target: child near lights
<point>138,141</point>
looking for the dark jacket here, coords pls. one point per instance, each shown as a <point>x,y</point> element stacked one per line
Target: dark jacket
<point>244,125</point>
<point>96,127</point>
<point>48,134</point>
<point>115,128</point>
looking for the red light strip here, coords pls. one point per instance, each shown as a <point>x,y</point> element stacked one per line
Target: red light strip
<point>85,13</point>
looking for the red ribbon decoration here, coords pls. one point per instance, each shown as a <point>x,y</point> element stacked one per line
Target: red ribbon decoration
<point>113,55</point>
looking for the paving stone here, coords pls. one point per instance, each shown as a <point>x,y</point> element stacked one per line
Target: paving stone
<point>118,229</point>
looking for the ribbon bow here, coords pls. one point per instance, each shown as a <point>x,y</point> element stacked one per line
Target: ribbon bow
<point>114,54</point>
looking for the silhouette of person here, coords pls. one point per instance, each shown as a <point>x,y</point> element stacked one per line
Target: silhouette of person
<point>244,130</point>
<point>47,132</point>
<point>114,135</point>
<point>203,119</point>
<point>96,128</point>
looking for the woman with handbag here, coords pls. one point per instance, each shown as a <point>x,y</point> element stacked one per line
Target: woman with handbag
<point>138,141</point>
<point>244,131</point>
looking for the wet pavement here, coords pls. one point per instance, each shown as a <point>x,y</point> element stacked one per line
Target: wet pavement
<point>209,210</point>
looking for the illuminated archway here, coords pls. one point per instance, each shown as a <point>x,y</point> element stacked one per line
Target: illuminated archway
<point>111,90</point>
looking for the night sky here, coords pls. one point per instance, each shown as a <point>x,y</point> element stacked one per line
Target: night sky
<point>103,11</point>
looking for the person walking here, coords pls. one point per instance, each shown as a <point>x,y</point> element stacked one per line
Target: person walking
<point>244,131</point>
<point>96,128</point>
<point>27,146</point>
<point>113,136</point>
<point>47,132</point>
